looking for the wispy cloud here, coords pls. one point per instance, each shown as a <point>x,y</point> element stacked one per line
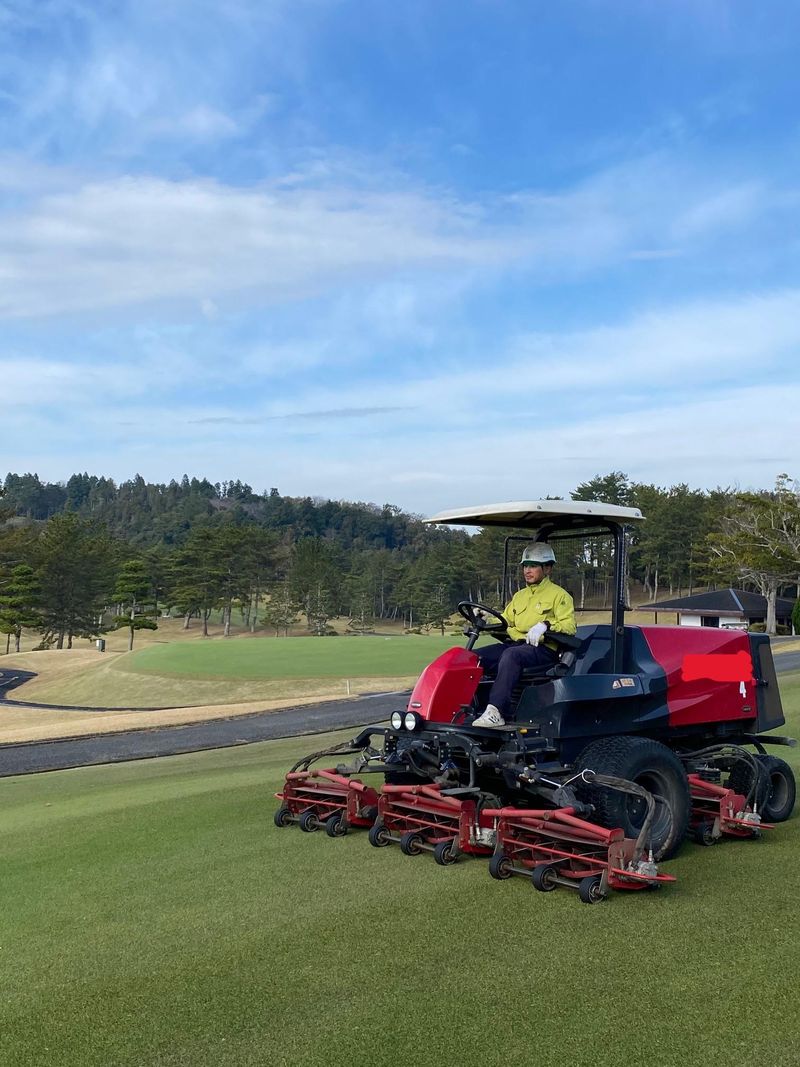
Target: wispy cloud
<point>295,416</point>
<point>145,241</point>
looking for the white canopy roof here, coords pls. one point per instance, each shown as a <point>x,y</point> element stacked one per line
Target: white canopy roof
<point>533,513</point>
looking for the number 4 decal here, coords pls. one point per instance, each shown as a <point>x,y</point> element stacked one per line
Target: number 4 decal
<point>742,689</point>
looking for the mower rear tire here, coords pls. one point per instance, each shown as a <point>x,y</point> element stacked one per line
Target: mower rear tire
<point>651,765</point>
<point>500,867</point>
<point>411,843</point>
<point>776,790</point>
<point>309,822</point>
<point>544,877</point>
<point>335,826</point>
<point>378,836</point>
<point>590,889</point>
<point>281,817</point>
<point>446,853</point>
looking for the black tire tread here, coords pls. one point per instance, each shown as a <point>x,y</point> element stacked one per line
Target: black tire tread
<point>612,756</point>
<point>741,778</point>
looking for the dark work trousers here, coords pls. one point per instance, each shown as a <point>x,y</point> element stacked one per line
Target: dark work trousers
<point>505,663</point>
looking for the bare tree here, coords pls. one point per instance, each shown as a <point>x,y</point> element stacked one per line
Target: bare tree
<point>760,541</point>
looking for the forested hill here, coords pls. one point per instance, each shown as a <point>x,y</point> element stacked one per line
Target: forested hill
<point>72,552</point>
<point>147,514</point>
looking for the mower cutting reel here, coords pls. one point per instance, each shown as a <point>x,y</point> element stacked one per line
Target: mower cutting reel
<point>557,847</point>
<point>718,812</point>
<point>315,798</point>
<point>423,818</point>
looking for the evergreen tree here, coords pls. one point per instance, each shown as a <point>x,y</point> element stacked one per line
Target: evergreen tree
<point>134,593</point>
<point>75,570</point>
<point>19,595</point>
<point>281,610</point>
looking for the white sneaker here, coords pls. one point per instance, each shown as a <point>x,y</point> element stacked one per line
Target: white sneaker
<point>491,717</point>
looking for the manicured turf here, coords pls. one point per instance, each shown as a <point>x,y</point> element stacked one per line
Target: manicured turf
<point>151,914</point>
<point>318,657</point>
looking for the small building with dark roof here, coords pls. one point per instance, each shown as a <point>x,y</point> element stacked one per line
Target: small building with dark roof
<point>734,608</point>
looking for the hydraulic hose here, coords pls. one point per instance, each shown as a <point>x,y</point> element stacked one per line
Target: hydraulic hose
<point>728,751</point>
<point>344,749</point>
<point>626,786</point>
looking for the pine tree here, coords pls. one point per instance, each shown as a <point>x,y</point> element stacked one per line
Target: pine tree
<point>19,595</point>
<point>134,592</point>
<point>75,570</point>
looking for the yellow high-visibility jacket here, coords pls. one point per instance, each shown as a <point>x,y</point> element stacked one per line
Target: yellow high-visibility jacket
<point>545,602</point>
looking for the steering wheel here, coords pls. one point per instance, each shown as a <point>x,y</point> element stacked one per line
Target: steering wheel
<point>470,611</point>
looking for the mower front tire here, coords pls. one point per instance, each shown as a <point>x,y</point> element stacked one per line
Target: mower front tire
<point>654,767</point>
<point>544,877</point>
<point>500,867</point>
<point>590,889</point>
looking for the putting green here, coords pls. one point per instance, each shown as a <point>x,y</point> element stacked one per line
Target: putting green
<point>307,657</point>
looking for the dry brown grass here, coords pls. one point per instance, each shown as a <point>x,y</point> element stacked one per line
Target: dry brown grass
<point>65,676</point>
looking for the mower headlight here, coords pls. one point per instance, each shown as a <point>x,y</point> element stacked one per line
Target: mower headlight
<point>411,720</point>
<point>397,720</point>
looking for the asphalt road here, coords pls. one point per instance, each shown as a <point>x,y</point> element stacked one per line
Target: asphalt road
<point>32,757</point>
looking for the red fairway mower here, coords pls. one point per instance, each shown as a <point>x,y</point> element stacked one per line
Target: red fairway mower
<point>637,733</point>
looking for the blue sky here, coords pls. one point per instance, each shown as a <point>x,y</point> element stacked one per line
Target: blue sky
<point>426,253</point>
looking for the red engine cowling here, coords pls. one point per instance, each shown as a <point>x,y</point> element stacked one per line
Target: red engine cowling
<point>709,673</point>
<point>446,685</point>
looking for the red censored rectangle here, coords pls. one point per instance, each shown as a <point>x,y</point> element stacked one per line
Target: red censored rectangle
<point>718,668</point>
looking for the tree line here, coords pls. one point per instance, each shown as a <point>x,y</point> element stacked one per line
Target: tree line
<point>88,555</point>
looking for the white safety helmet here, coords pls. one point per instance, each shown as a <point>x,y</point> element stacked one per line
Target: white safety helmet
<point>538,552</point>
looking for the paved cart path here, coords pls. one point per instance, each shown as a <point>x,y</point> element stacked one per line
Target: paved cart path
<point>30,757</point>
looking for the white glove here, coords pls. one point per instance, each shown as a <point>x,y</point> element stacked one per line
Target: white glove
<point>536,633</point>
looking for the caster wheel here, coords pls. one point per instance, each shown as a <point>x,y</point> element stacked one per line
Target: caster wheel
<point>500,867</point>
<point>445,853</point>
<point>410,843</point>
<point>378,836</point>
<point>335,826</point>
<point>544,877</point>
<point>589,889</point>
<point>281,817</point>
<point>309,822</point>
<point>703,834</point>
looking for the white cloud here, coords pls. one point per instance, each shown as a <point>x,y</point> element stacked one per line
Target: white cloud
<point>128,242</point>
<point>146,241</point>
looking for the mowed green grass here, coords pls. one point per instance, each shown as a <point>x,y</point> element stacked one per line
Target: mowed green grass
<point>318,657</point>
<point>151,914</point>
<point>185,673</point>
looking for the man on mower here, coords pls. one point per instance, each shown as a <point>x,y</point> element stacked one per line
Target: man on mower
<point>540,606</point>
